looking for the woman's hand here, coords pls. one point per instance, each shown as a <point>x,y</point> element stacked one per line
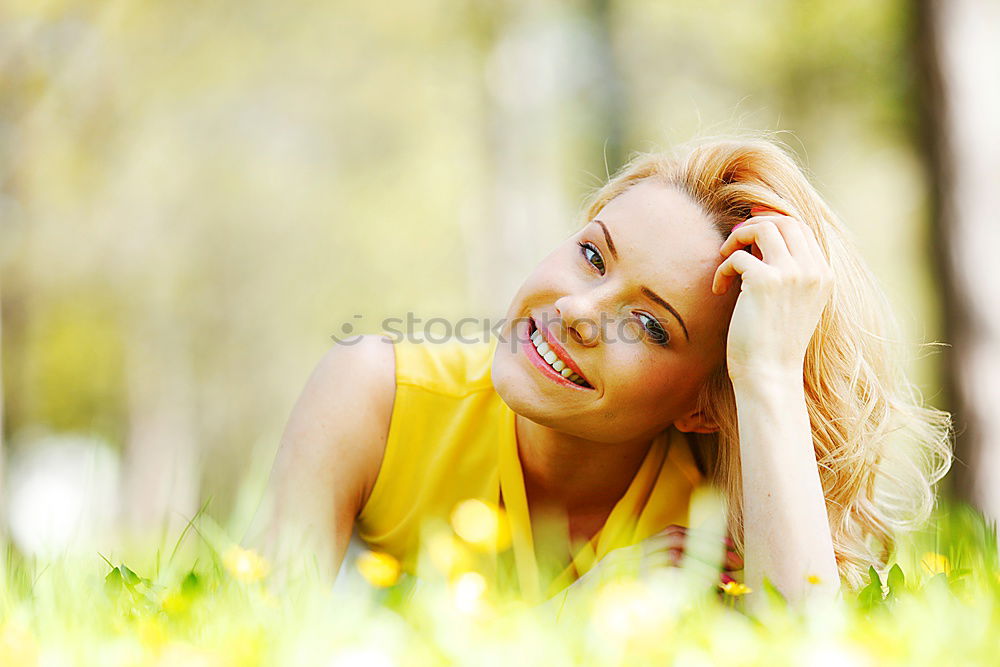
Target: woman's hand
<point>785,287</point>
<point>664,549</point>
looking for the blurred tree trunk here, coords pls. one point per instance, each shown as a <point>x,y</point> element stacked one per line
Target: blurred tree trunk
<point>959,60</point>
<point>611,104</point>
<point>546,66</point>
<point>3,441</point>
<point>525,75</point>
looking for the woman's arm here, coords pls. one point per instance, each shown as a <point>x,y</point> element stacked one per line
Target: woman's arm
<point>328,459</point>
<point>785,525</point>
<point>785,286</point>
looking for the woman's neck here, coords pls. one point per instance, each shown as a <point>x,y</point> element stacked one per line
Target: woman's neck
<point>571,475</point>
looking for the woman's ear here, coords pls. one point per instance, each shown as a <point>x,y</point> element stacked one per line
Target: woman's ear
<point>696,422</point>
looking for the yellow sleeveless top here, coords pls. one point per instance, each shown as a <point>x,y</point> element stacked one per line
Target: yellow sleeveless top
<point>452,438</point>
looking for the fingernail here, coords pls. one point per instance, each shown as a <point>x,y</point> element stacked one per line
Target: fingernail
<point>737,225</point>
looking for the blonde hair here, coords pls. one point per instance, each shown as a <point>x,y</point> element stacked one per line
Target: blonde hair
<point>880,451</point>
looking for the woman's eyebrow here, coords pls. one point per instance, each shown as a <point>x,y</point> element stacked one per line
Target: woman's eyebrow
<point>656,297</point>
<point>607,238</point>
<point>650,294</point>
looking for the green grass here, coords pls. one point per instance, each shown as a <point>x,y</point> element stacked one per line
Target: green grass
<point>192,604</point>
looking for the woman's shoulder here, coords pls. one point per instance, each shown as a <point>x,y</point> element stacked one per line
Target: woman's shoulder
<point>356,382</point>
<point>362,387</point>
<point>366,363</point>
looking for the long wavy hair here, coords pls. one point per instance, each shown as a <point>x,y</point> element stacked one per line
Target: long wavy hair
<point>879,449</point>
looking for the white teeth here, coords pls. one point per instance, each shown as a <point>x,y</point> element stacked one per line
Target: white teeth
<point>549,355</point>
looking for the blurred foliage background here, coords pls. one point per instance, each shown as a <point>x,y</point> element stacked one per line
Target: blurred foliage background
<point>194,196</point>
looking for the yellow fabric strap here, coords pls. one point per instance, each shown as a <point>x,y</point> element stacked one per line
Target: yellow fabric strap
<point>516,505</point>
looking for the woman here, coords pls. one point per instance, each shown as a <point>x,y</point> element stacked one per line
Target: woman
<point>709,322</point>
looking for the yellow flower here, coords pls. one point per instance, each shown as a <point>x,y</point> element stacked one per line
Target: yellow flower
<point>483,525</point>
<point>813,579</point>
<point>627,610</point>
<point>175,603</point>
<point>246,565</point>
<point>151,632</point>
<point>448,553</point>
<point>17,645</point>
<point>935,563</point>
<point>379,569</point>
<point>735,588</point>
<point>468,591</point>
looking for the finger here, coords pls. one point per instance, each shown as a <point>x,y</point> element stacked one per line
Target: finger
<point>762,232</point>
<point>713,563</point>
<point>674,555</point>
<point>661,543</point>
<point>694,532</point>
<point>731,559</point>
<point>673,529</point>
<point>794,231</point>
<point>657,561</point>
<point>814,246</point>
<point>807,232</point>
<point>737,264</point>
<point>759,211</point>
<point>680,535</point>
<point>731,243</point>
<point>671,532</point>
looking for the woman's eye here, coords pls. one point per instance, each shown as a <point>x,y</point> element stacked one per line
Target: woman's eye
<point>592,255</point>
<point>654,329</point>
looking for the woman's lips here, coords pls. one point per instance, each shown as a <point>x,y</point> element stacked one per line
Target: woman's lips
<point>545,368</point>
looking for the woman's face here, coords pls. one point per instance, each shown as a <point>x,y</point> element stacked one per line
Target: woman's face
<point>627,303</point>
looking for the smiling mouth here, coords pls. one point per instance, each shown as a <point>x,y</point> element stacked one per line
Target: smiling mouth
<point>558,367</point>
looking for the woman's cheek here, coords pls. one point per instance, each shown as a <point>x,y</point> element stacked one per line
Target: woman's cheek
<point>657,381</point>
<point>636,376</point>
<point>664,385</point>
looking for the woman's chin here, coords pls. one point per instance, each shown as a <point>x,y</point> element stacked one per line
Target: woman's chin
<point>506,378</point>
<point>520,394</point>
<point>515,389</point>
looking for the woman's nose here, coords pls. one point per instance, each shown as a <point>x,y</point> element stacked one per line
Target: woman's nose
<point>579,315</point>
